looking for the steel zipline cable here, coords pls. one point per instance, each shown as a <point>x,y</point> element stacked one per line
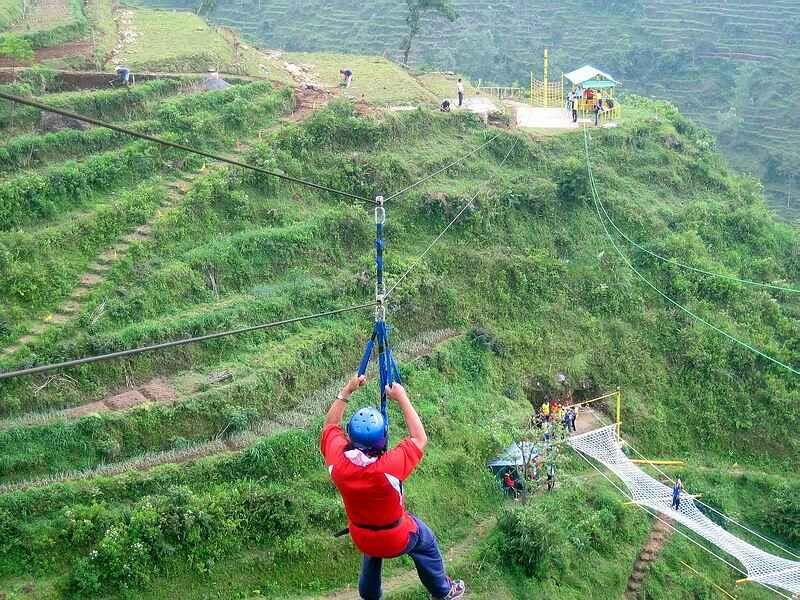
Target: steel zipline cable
<point>441,170</point>
<point>163,142</point>
<point>629,264</point>
<point>174,343</point>
<point>677,263</point>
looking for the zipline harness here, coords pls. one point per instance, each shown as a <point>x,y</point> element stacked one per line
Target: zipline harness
<point>388,373</point>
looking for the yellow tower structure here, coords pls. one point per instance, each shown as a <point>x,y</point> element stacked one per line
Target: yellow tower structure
<point>545,92</point>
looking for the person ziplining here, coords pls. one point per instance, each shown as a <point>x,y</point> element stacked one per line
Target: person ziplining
<point>370,480</point>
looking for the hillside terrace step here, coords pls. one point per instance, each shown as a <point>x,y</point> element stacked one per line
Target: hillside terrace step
<point>125,400</point>
<point>179,186</point>
<point>69,308</point>
<point>89,279</point>
<point>80,293</point>
<point>98,268</point>
<point>134,237</point>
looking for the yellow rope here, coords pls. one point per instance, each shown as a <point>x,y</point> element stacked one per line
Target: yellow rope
<point>704,578</point>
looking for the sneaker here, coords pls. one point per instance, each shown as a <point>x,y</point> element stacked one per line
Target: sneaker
<point>457,590</point>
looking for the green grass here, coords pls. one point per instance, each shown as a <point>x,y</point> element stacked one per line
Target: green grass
<point>104,30</point>
<point>175,41</point>
<point>49,24</point>
<point>443,85</point>
<point>10,11</point>
<point>529,266</point>
<point>375,79</point>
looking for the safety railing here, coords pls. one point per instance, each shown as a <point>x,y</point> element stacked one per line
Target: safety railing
<point>501,92</point>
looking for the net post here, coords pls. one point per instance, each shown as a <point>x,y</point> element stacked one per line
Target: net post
<point>619,413</point>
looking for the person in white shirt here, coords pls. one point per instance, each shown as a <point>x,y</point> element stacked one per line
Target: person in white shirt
<point>460,87</point>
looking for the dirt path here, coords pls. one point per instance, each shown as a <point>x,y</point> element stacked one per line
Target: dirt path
<point>126,34</point>
<point>97,271</point>
<point>301,415</point>
<point>80,48</point>
<point>409,578</point>
<point>659,535</point>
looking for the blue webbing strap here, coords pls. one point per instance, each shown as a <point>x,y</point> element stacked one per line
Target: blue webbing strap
<point>387,367</point>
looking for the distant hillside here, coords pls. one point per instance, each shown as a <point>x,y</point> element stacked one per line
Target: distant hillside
<point>727,63</point>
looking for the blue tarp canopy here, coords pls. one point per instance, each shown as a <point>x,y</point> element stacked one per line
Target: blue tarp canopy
<point>588,75</point>
<point>598,84</point>
<point>513,456</point>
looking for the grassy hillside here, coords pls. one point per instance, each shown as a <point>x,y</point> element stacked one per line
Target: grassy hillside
<point>729,64</point>
<point>170,41</point>
<point>10,11</point>
<point>199,485</point>
<point>49,23</point>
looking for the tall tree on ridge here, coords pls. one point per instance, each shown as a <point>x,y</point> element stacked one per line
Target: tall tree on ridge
<point>416,9</point>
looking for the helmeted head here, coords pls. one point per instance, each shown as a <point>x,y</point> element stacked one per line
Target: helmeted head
<point>367,429</point>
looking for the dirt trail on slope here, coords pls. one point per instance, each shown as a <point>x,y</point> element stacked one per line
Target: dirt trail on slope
<point>302,415</point>
<point>659,535</point>
<point>97,271</point>
<point>409,578</point>
<point>80,48</point>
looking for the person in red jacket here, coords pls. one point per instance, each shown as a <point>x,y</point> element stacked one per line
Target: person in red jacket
<point>370,480</point>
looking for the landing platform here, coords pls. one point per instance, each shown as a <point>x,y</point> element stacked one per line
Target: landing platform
<point>532,117</point>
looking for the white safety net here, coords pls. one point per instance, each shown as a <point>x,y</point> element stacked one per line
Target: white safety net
<point>761,567</point>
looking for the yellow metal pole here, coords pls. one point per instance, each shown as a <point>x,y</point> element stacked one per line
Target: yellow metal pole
<point>531,87</point>
<point>619,413</point>
<point>741,581</point>
<point>718,588</point>
<point>546,80</point>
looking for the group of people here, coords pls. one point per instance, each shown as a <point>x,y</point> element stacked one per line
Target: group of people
<point>553,411</point>
<point>598,102</point>
<point>514,486</point>
<point>446,105</point>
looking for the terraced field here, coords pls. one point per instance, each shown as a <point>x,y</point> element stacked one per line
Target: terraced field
<point>195,473</point>
<point>728,63</point>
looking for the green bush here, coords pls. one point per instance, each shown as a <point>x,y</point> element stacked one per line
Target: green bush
<point>32,197</point>
<point>75,28</point>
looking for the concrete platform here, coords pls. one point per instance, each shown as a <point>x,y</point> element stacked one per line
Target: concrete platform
<point>533,117</point>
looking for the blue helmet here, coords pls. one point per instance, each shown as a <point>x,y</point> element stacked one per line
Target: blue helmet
<point>367,429</point>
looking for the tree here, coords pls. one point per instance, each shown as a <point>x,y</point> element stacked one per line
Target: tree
<point>416,9</point>
<point>17,48</point>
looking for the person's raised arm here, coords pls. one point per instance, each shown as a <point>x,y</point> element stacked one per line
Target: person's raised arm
<point>417,432</point>
<point>335,412</point>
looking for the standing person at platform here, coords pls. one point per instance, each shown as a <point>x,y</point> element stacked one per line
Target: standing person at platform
<point>551,476</point>
<point>370,480</point>
<point>460,90</point>
<point>676,494</point>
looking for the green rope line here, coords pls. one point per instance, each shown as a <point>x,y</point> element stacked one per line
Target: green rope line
<point>675,303</point>
<point>677,263</point>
